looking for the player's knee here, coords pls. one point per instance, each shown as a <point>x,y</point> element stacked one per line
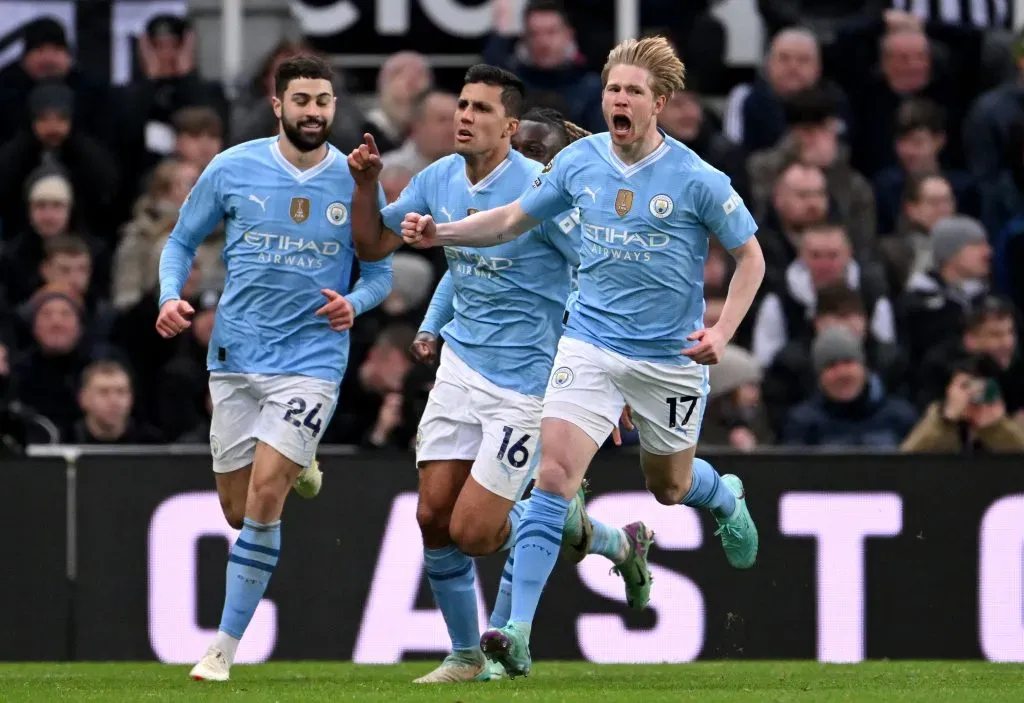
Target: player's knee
<point>554,475</point>
<point>474,537</point>
<point>433,521</point>
<point>668,492</point>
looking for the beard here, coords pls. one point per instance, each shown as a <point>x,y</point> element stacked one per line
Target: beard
<point>306,141</point>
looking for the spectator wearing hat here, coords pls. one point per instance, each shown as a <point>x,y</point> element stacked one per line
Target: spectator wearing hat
<point>50,199</point>
<point>170,83</point>
<point>106,399</point>
<point>932,308</point>
<point>851,407</point>
<point>791,378</point>
<point>53,140</point>
<point>47,57</point>
<point>970,417</point>
<point>735,415</point>
<point>46,375</point>
<point>68,262</point>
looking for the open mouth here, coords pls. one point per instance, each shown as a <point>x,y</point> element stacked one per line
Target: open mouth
<point>463,135</point>
<point>621,125</point>
<point>311,126</point>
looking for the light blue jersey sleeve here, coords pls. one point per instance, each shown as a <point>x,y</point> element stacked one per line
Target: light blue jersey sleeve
<point>722,210</point>
<point>549,194</point>
<point>375,277</point>
<point>412,199</point>
<point>200,214</point>
<point>442,306</point>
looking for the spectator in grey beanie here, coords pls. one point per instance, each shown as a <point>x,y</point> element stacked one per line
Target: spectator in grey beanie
<point>951,235</point>
<point>852,407</point>
<point>932,309</point>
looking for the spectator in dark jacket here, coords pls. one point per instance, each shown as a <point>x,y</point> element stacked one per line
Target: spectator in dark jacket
<point>55,140</point>
<point>549,63</point>
<point>920,140</point>
<point>49,206</point>
<point>46,376</point>
<point>46,58</point>
<point>755,116</point>
<point>106,401</point>
<point>934,305</point>
<point>791,378</point>
<point>905,71</point>
<point>852,407</point>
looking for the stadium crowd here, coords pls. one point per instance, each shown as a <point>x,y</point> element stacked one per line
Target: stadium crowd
<point>882,155</point>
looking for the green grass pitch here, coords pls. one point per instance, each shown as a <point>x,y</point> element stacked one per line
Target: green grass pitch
<point>726,682</point>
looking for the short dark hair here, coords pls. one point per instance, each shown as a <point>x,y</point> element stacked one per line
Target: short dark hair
<point>66,244</point>
<point>915,182</point>
<point>987,308</point>
<point>198,122</point>
<point>555,6</point>
<point>302,66</point>
<point>920,113</point>
<point>513,92</point>
<point>810,107</point>
<point>103,367</point>
<point>840,300</point>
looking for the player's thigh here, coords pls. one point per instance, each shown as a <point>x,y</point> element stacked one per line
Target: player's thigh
<point>582,406</point>
<point>233,491</point>
<point>295,410</point>
<point>668,404</point>
<point>236,411</point>
<point>440,483</point>
<point>449,428</point>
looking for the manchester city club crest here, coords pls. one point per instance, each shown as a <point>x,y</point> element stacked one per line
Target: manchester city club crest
<point>661,206</point>
<point>337,214</point>
<point>562,377</point>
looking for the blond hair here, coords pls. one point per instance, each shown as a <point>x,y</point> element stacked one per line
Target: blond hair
<point>654,54</point>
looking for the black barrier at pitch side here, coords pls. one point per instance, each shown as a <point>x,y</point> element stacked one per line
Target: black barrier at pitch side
<point>34,589</point>
<point>861,557</point>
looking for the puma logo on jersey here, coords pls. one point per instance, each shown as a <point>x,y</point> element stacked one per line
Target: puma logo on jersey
<point>591,193</point>
<point>261,203</point>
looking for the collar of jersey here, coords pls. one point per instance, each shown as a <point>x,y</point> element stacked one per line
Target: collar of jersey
<point>627,170</point>
<point>490,177</point>
<point>297,173</point>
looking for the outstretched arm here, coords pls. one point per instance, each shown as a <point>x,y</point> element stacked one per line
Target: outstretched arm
<point>482,229</point>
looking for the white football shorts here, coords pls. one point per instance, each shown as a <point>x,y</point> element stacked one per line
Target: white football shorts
<point>288,413</point>
<point>589,387</point>
<point>470,418</point>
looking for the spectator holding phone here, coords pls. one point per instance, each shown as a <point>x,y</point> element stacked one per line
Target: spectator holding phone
<point>970,418</point>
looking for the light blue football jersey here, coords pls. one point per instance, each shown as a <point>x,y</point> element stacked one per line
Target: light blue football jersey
<point>287,236</point>
<point>645,230</point>
<point>509,300</point>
